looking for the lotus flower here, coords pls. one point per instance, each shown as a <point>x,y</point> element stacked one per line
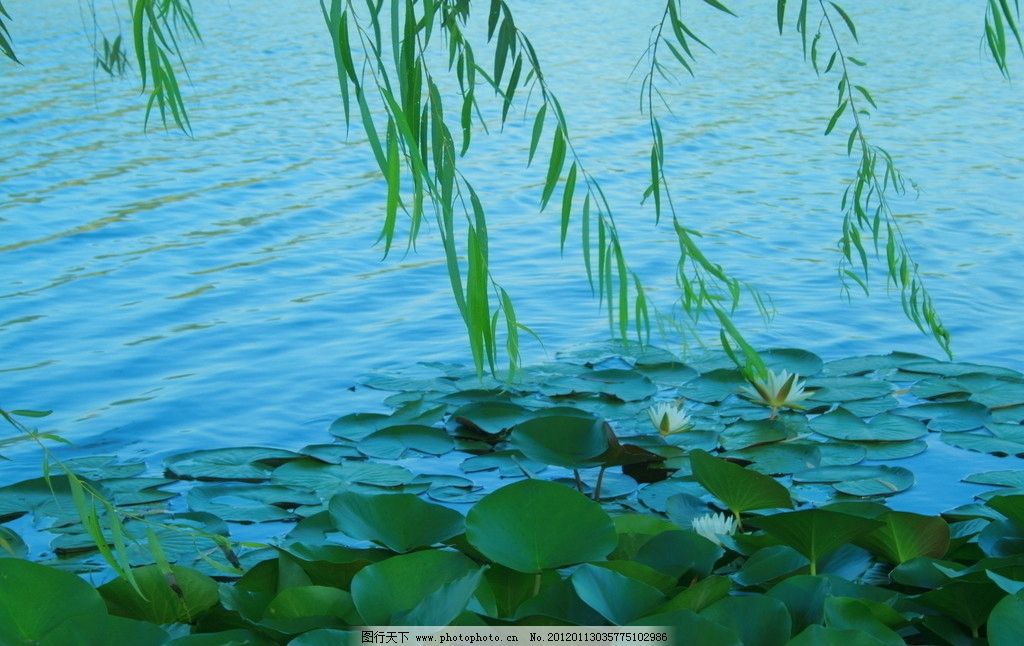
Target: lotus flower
<point>668,418</point>
<point>714,526</point>
<point>776,390</point>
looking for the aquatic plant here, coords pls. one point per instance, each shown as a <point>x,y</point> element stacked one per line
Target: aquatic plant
<point>776,390</point>
<point>388,77</point>
<point>668,418</point>
<point>714,526</point>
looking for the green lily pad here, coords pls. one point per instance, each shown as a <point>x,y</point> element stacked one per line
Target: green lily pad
<point>956,369</point>
<point>326,478</point>
<point>26,496</point>
<point>860,480</point>
<point>713,387</point>
<point>182,597</point>
<point>844,613</point>
<point>101,467</point>
<point>758,619</point>
<point>892,450</point>
<point>871,363</point>
<point>624,385</point>
<point>949,417</point>
<point>983,443</point>
<point>533,525</point>
<point>843,389</point>
<point>570,441</point>
<point>618,598</point>
<point>393,442</point>
<point>248,464</point>
<point>301,608</point>
<point>680,552</point>
<point>357,426</point>
<point>739,489</point>
<point>400,522</point>
<point>968,602</point>
<point>804,597</point>
<point>841,424</point>
<point>872,407</point>
<point>745,434</point>
<point>1006,621</point>
<point>794,361</point>
<point>125,492</point>
<point>491,417</point>
<point>770,564</point>
<point>667,372</point>
<point>779,459</point>
<point>387,590</point>
<point>250,503</point>
<point>904,536</point>
<point>1006,478</point>
<point>333,453</point>
<point>815,533</point>
<point>510,464</point>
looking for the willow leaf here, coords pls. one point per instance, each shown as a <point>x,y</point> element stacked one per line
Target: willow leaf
<point>570,186</point>
<point>846,19</point>
<point>554,167</point>
<point>835,116</point>
<point>538,128</point>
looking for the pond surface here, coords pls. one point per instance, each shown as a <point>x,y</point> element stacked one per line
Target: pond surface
<point>162,293</point>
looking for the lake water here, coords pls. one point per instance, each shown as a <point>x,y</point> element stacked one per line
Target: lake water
<point>161,293</point>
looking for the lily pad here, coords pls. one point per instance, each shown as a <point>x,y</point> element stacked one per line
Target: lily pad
<point>618,598</point>
<point>1008,478</point>
<point>738,488</point>
<point>326,478</point>
<point>745,434</point>
<point>400,522</point>
<point>815,533</point>
<point>533,525</point>
<point>780,459</point>
<point>871,363</point>
<point>892,450</point>
<point>393,442</point>
<point>843,389</point>
<point>248,464</point>
<point>949,417</point>
<point>904,536</point>
<point>841,424</point>
<point>510,464</point>
<point>491,417</point>
<point>983,443</point>
<point>625,385</point>
<point>792,360</point>
<point>714,386</point>
<point>250,503</point>
<point>571,442</point>
<point>193,594</point>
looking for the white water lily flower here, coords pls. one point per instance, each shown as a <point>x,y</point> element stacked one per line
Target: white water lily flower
<point>714,526</point>
<point>776,390</point>
<point>668,418</point>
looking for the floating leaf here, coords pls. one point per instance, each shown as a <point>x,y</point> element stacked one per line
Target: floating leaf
<point>842,389</point>
<point>534,525</point>
<point>1010,478</point>
<point>400,522</point>
<point>841,424</point>
<point>568,441</point>
<point>249,503</point>
<point>393,442</point>
<point>1006,621</point>
<point>950,417</point>
<point>792,360</point>
<point>327,478</point>
<point>509,464</point>
<point>983,443</point>
<point>680,552</point>
<point>181,597</point>
<point>249,464</point>
<point>759,620</point>
<point>740,489</point>
<point>713,387</point>
<point>491,417</point>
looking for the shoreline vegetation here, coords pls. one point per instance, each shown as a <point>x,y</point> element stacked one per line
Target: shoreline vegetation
<point>566,498</point>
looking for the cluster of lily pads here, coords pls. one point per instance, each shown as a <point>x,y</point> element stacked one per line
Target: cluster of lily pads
<point>618,485</point>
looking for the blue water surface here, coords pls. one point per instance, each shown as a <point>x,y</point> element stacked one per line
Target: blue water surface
<point>160,292</point>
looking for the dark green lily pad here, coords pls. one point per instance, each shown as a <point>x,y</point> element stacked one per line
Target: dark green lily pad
<point>841,424</point>
<point>667,372</point>
<point>949,417</point>
<point>327,478</point>
<point>872,407</point>
<point>393,442</point>
<point>815,533</point>
<point>656,495</point>
<point>386,591</point>
<point>333,453</point>
<point>769,564</point>
<point>758,619</point>
<point>533,525</point>
<point>101,467</point>
<point>248,464</point>
<point>400,522</point>
<point>713,387</point>
<point>250,503</point>
<point>889,481</point>
<point>618,598</point>
<point>572,442</point>
<point>892,450</point>
<point>1007,478</point>
<point>738,488</point>
<point>956,369</point>
<point>491,417</point>
<point>196,593</point>
<point>843,389</point>
<point>624,385</point>
<point>983,443</point>
<point>510,464</point>
<point>780,459</point>
<point>904,536</point>
<point>792,360</point>
<point>871,363</point>
<point>746,434</point>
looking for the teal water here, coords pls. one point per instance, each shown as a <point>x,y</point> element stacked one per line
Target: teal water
<point>161,293</point>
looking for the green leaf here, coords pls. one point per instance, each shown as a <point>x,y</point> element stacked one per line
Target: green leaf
<point>570,186</point>
<point>718,5</point>
<point>385,591</point>
<point>780,11</point>
<point>815,533</point>
<point>534,525</point>
<point>181,597</point>
<point>740,489</point>
<point>1006,621</point>
<point>617,597</point>
<point>561,440</point>
<point>758,619</point>
<point>538,128</point>
<point>841,424</point>
<point>835,116</point>
<point>554,166</point>
<point>400,522</point>
<point>846,19</point>
<point>904,536</point>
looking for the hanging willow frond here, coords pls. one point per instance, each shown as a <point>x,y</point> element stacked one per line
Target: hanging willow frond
<point>6,48</point>
<point>868,217</point>
<point>156,25</point>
